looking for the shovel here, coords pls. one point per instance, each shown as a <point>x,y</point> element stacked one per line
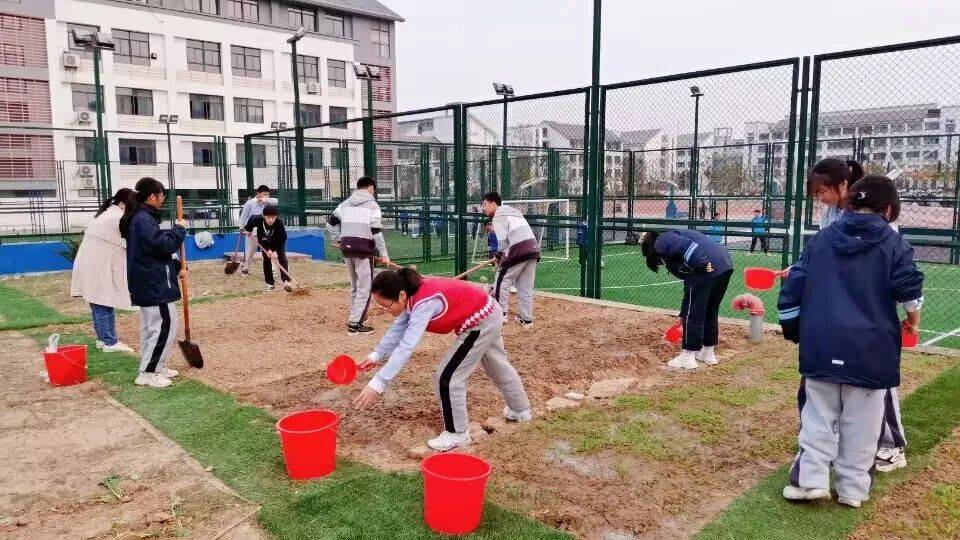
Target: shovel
<point>232,265</point>
<point>190,350</point>
<point>391,265</point>
<point>299,290</point>
<point>474,268</point>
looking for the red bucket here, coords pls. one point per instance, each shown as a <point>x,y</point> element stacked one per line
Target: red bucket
<point>309,441</point>
<point>759,279</point>
<point>453,488</point>
<point>908,340</point>
<point>342,370</point>
<point>67,366</point>
<point>674,334</point>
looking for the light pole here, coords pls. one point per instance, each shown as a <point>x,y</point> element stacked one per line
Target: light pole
<point>368,74</point>
<point>301,174</point>
<point>169,120</point>
<point>97,42</point>
<point>276,126</point>
<point>505,90</point>
<point>696,94</point>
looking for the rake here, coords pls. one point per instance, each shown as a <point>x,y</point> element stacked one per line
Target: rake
<point>297,289</point>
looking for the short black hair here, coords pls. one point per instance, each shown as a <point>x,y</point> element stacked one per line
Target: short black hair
<point>876,193</point>
<point>647,248</point>
<point>263,189</point>
<point>271,210</point>
<point>493,197</point>
<point>757,211</point>
<point>389,283</point>
<point>365,182</point>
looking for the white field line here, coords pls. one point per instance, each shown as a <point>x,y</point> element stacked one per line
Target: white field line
<point>941,337</point>
<point>613,286</point>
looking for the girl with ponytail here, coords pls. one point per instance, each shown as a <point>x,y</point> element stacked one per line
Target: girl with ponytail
<point>443,306</point>
<point>829,181</point>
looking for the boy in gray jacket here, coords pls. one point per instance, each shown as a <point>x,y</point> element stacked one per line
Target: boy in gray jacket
<point>357,225</point>
<point>517,256</point>
<point>252,208</point>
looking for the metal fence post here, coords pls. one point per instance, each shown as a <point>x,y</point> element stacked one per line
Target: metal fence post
<point>805,115</point>
<point>631,188</point>
<point>301,177</point>
<point>595,175</point>
<point>369,149</point>
<point>460,186</point>
<point>424,224</point>
<point>444,198</point>
<point>789,178</point>
<point>248,161</point>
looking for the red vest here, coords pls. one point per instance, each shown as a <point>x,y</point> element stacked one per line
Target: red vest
<point>464,304</point>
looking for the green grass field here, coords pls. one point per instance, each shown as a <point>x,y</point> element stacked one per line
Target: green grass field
<point>625,278</point>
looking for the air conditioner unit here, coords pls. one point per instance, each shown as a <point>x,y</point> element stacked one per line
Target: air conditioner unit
<point>84,117</point>
<point>71,61</point>
<point>89,182</point>
<point>313,88</point>
<point>86,171</point>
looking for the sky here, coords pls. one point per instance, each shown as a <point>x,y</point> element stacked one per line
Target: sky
<point>451,50</point>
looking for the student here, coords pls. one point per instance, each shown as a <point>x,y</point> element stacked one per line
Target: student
<point>759,231</point>
<point>829,182</point>
<point>582,241</point>
<point>492,245</point>
<point>517,257</point>
<point>357,224</point>
<point>705,268</point>
<point>716,230</point>
<point>443,306</point>
<point>272,235</point>
<point>152,271</point>
<point>252,208</point>
<point>839,302</point>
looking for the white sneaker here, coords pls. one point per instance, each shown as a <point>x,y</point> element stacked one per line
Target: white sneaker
<point>890,459</point>
<point>152,379</point>
<point>795,493</point>
<point>852,503</point>
<point>448,441</point>
<point>270,288</point>
<point>513,290</point>
<point>708,356</point>
<point>513,416</point>
<point>169,373</point>
<point>685,360</point>
<point>119,347</point>
<point>99,344</point>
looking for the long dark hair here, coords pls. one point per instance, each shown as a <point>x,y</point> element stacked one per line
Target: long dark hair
<point>833,172</point>
<point>388,283</point>
<point>142,191</point>
<point>123,195</point>
<point>878,194</point>
<point>649,253</point>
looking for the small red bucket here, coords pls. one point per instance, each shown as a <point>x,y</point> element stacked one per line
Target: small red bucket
<point>342,370</point>
<point>309,441</point>
<point>454,485</point>
<point>908,340</point>
<point>759,279</point>
<point>67,366</point>
<point>674,334</point>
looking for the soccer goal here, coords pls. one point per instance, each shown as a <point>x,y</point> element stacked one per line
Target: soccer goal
<point>554,242</point>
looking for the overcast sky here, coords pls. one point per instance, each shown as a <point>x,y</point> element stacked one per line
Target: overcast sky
<point>451,50</point>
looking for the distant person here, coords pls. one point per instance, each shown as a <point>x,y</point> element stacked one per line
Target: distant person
<point>759,227</point>
<point>357,224</point>
<point>269,231</point>
<point>517,257</point>
<point>253,207</point>
<point>492,246</point>
<point>405,222</point>
<point>582,241</point>
<point>152,271</point>
<point>716,229</point>
<point>100,271</point>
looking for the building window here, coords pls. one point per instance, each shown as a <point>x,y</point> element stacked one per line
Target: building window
<point>82,28</point>
<point>880,156</point>
<point>248,10</point>
<point>338,117</point>
<point>913,155</point>
<point>337,73</point>
<point>339,158</point>
<point>881,128</point>
<point>134,101</point>
<point>931,126</point>
<point>132,48</point>
<point>248,110</point>
<point>931,140</point>
<point>85,150</point>
<point>245,61</point>
<point>312,157</point>
<point>933,155</point>
<point>424,126</point>
<point>84,97</point>
<point>204,107</point>
<point>302,16</point>
<point>833,132</point>
<point>913,126</point>
<point>138,152</point>
<point>203,154</point>
<point>203,56</point>
<point>311,115</point>
<point>950,126</point>
<point>308,68</point>
<point>12,111</point>
<point>896,155</point>
<point>202,6</point>
<point>258,151</point>
<point>12,54</point>
<point>380,36</point>
<point>338,24</point>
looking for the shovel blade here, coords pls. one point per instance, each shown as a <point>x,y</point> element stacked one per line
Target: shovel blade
<point>231,267</point>
<point>191,351</point>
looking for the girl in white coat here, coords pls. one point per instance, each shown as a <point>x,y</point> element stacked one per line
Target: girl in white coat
<point>100,271</point>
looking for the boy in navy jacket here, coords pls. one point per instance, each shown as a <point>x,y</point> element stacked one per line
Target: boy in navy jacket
<point>839,303</point>
<point>152,273</point>
<point>705,268</point>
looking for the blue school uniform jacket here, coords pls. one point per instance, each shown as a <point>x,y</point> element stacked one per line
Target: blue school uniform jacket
<point>839,302</point>
<point>151,269</point>
<point>686,253</point>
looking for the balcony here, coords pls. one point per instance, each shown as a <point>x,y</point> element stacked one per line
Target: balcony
<point>215,79</point>
<point>133,71</point>
<point>192,125</point>
<point>255,82</point>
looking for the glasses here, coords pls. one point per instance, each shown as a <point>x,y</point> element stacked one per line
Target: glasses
<point>387,307</point>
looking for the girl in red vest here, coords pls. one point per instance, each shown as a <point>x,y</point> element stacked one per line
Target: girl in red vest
<point>442,306</point>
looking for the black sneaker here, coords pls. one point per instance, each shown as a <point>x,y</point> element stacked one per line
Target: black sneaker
<point>245,272</point>
<point>525,324</point>
<point>358,328</point>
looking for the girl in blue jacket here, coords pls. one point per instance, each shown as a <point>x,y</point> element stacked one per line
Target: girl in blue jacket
<point>849,335</point>
<point>705,268</point>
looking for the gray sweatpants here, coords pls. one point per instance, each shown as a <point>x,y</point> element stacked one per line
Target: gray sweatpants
<point>158,332</point>
<point>249,250</point>
<point>858,413</point>
<point>482,344</point>
<point>522,275</point>
<point>361,275</point>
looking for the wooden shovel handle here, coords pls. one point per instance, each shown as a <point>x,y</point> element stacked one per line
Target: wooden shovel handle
<point>473,269</point>
<point>184,286</point>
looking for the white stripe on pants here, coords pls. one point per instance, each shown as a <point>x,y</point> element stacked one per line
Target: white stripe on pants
<point>893,434</point>
<point>858,413</point>
<point>158,332</point>
<point>361,277</point>
<point>522,275</point>
<point>482,344</point>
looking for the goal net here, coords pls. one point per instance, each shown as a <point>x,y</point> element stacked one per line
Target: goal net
<point>552,238</point>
